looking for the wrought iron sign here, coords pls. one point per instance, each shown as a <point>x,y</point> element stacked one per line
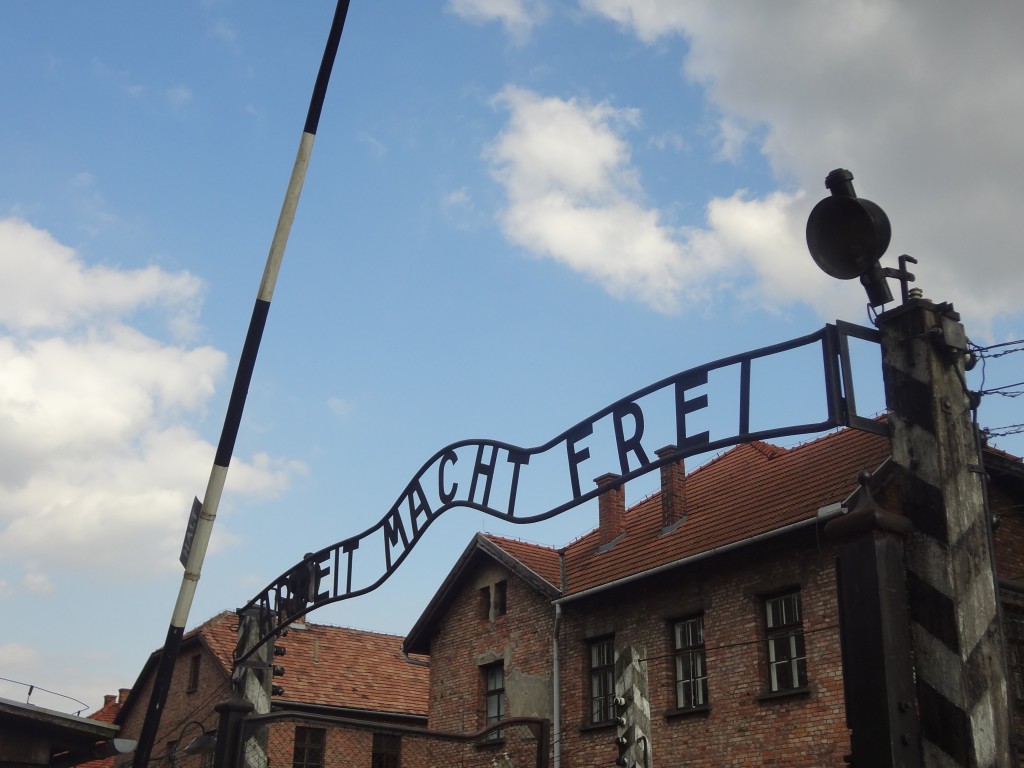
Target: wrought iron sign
<point>490,476</point>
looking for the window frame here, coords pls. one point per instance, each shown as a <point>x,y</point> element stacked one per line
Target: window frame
<point>684,653</point>
<point>194,665</point>
<point>784,632</point>
<point>305,743</point>
<point>1013,631</point>
<point>493,694</point>
<point>386,750</point>
<point>499,598</point>
<point>601,677</point>
<point>494,600</point>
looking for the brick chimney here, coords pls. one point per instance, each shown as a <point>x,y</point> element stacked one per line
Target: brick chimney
<point>673,489</point>
<point>122,695</point>
<point>611,509</point>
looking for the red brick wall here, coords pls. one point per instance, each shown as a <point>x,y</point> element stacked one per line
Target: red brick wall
<point>739,728</point>
<point>1009,553</point>
<point>181,707</point>
<point>466,640</point>
<point>344,746</point>
<point>1009,534</point>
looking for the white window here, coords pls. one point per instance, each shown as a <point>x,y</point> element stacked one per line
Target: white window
<point>691,663</point>
<point>787,659</point>
<point>602,680</point>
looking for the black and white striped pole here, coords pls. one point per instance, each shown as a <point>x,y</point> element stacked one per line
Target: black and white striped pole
<point>950,601</point>
<point>201,526</point>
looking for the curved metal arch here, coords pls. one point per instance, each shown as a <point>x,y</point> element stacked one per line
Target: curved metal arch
<point>327,575</point>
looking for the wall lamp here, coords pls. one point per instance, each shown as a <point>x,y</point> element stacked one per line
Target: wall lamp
<point>847,236</point>
<point>203,744</point>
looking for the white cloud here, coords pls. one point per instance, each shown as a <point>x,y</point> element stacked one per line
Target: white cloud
<point>18,655</point>
<point>97,461</point>
<point>377,148</point>
<point>44,286</point>
<point>223,31</point>
<point>339,407</point>
<point>668,140</point>
<point>920,101</point>
<point>519,17</point>
<point>179,96</point>
<point>574,196</point>
<point>65,682</point>
<point>37,584</point>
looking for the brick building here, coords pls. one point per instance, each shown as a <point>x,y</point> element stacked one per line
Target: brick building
<point>107,714</point>
<point>723,583</point>
<point>330,672</point>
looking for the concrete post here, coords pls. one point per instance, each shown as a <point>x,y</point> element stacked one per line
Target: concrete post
<point>233,712</point>
<point>251,683</point>
<point>951,588</point>
<point>875,635</point>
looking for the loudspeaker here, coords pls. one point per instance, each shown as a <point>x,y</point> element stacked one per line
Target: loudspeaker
<point>846,235</point>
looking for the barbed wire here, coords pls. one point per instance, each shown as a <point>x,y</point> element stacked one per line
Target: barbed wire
<point>982,350</point>
<point>983,355</point>
<point>1006,390</point>
<point>1009,429</point>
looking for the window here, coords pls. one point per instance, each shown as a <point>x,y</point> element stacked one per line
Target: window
<point>787,662</point>
<point>193,674</point>
<point>500,598</point>
<point>494,695</point>
<point>309,748</point>
<point>387,751</point>
<point>1013,619</point>
<point>494,600</point>
<point>691,666</point>
<point>602,680</point>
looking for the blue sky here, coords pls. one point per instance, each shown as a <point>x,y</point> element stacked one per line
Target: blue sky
<point>517,212</point>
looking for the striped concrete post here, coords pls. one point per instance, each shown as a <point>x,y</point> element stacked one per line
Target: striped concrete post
<point>955,632</point>
<point>253,678</point>
<point>634,727</point>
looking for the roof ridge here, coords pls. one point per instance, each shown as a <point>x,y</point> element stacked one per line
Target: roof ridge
<point>220,615</point>
<point>515,540</point>
<point>770,450</point>
<point>352,629</point>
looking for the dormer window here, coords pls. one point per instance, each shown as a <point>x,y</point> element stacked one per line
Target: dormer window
<point>193,675</point>
<point>500,598</point>
<point>494,600</point>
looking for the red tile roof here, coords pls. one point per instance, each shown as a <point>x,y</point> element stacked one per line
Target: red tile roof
<point>543,561</point>
<point>338,667</point>
<point>220,634</point>
<point>333,666</point>
<point>751,489</point>
<point>106,714</point>
<point>108,711</point>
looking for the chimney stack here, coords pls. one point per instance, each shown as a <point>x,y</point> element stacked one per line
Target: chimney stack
<point>611,508</point>
<point>673,489</point>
